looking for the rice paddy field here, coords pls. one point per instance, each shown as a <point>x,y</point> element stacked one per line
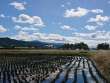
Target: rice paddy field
<point>53,66</point>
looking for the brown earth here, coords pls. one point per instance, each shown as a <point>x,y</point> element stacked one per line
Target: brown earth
<point>102,59</point>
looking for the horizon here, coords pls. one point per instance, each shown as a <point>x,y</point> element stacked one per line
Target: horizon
<point>71,21</point>
<point>52,43</point>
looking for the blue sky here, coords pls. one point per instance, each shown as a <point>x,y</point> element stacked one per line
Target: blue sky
<point>56,20</point>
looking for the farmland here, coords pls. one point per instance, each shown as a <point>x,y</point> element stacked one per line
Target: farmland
<point>102,58</point>
<point>49,66</point>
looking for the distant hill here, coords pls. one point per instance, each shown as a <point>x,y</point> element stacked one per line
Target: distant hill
<point>11,43</point>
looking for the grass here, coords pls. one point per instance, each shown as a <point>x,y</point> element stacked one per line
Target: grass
<point>22,52</point>
<point>102,59</point>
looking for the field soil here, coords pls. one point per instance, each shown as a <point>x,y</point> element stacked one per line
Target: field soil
<point>102,59</point>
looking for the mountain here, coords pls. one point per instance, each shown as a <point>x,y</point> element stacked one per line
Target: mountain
<point>10,43</point>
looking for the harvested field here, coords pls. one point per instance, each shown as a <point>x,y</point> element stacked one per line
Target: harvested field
<point>102,59</point>
<point>49,66</point>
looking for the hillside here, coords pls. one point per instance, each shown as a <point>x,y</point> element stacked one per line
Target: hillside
<point>10,43</point>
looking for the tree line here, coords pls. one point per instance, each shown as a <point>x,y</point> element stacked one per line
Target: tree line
<point>75,46</point>
<point>83,46</point>
<point>104,46</point>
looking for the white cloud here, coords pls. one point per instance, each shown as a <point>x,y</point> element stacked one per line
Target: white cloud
<point>90,27</point>
<point>55,37</point>
<point>2,15</point>
<point>2,29</point>
<point>97,11</point>
<point>92,39</point>
<point>18,5</point>
<point>35,21</point>
<point>102,35</point>
<point>66,27</point>
<point>79,12</point>
<point>22,35</point>
<point>99,19</point>
<point>97,35</point>
<point>17,27</point>
<point>48,37</point>
<point>29,28</point>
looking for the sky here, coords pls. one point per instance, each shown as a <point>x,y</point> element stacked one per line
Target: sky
<point>65,21</point>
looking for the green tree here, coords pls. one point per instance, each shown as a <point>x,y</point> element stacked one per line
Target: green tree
<point>103,46</point>
<point>81,46</point>
<point>76,46</point>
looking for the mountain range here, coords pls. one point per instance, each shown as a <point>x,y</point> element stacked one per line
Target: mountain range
<point>9,43</point>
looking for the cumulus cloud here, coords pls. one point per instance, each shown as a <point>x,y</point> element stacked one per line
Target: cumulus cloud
<point>55,37</point>
<point>17,27</point>
<point>79,12</point>
<point>99,19</point>
<point>92,39</point>
<point>97,35</point>
<point>90,27</point>
<point>30,20</point>
<point>97,11</point>
<point>29,28</point>
<point>18,5</point>
<point>66,27</point>
<point>48,37</point>
<point>2,29</point>
<point>22,35</point>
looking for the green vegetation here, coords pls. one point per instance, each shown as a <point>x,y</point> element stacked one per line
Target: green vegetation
<point>103,46</point>
<point>76,46</point>
<point>31,52</point>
